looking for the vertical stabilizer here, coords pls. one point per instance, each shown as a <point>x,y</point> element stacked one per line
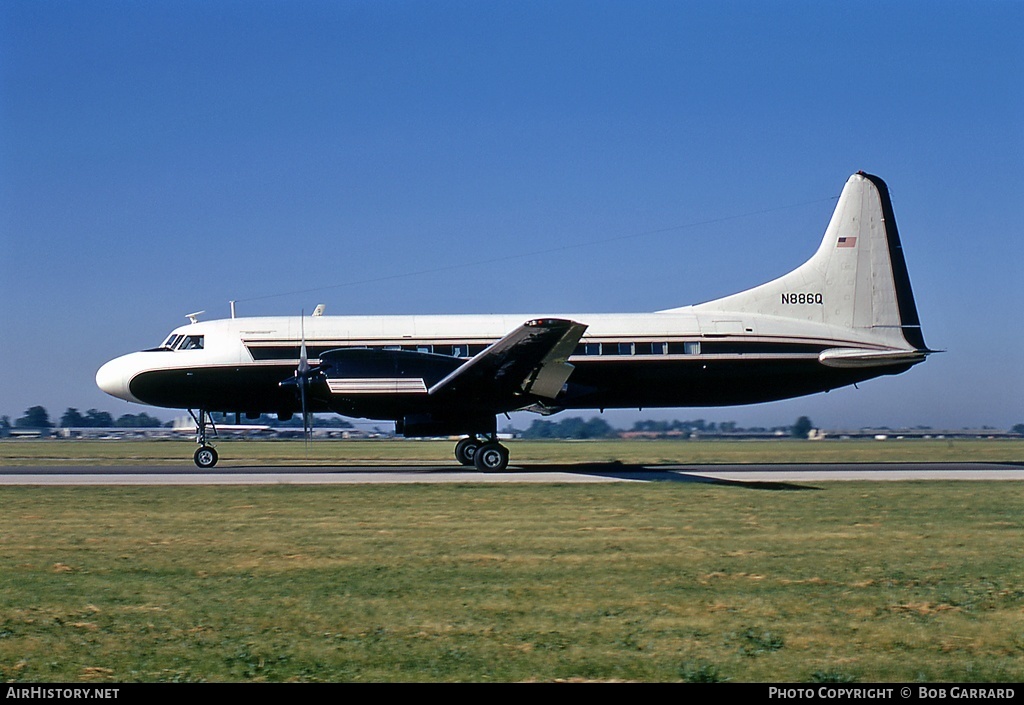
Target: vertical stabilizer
<point>857,278</point>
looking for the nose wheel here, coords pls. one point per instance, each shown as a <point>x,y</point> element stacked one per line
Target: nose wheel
<point>205,457</point>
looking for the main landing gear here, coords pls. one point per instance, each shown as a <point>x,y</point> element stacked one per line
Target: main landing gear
<point>487,455</point>
<point>205,456</point>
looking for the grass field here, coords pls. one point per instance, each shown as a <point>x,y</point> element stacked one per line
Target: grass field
<point>393,452</point>
<point>840,582</point>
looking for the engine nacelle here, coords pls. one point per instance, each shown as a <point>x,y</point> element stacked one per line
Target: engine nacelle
<point>369,363</point>
<point>420,425</point>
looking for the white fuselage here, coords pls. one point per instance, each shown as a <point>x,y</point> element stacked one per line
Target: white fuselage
<point>845,315</point>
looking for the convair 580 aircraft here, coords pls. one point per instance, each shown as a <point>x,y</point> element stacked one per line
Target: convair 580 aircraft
<point>845,315</point>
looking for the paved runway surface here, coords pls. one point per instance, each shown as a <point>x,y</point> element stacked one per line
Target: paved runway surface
<point>596,472</point>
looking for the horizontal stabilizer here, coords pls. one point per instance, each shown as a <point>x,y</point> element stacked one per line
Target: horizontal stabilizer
<point>859,358</point>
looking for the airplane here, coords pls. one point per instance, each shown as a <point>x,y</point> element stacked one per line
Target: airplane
<point>844,316</point>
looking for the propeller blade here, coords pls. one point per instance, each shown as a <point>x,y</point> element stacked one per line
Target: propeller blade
<point>303,357</point>
<point>303,375</point>
<point>310,431</point>
<point>303,382</point>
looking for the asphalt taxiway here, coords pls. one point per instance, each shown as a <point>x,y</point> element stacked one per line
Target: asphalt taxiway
<point>539,473</point>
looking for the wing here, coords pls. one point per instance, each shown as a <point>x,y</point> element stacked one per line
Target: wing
<point>531,360</point>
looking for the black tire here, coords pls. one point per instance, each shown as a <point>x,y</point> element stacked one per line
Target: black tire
<point>491,457</point>
<point>205,457</point>
<point>465,450</point>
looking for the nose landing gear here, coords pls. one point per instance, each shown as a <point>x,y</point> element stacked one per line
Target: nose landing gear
<point>205,456</point>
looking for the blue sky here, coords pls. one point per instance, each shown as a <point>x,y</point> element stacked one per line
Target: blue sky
<point>159,158</point>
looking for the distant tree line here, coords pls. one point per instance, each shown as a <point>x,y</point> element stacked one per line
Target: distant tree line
<point>802,428</point>
<point>697,426</point>
<point>575,427</point>
<point>35,417</point>
<point>39,417</point>
<point>571,428</point>
<point>102,419</point>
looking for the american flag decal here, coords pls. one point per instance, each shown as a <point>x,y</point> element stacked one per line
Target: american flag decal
<point>847,242</point>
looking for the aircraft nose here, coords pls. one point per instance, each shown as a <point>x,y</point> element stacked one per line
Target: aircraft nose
<point>112,378</point>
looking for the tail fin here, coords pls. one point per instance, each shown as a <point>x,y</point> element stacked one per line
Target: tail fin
<point>857,279</point>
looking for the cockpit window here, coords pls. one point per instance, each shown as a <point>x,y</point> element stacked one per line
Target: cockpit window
<point>171,341</point>
<point>191,342</point>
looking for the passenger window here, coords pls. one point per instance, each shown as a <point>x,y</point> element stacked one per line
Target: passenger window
<point>649,348</point>
<point>691,348</point>
<point>592,348</point>
<point>625,348</point>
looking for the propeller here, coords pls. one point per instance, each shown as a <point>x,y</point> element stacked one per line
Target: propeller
<point>301,381</point>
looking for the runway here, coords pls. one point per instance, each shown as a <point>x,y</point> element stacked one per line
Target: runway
<point>551,474</point>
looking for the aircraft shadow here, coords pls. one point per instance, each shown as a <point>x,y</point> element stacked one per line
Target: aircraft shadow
<point>610,470</point>
<point>650,473</point>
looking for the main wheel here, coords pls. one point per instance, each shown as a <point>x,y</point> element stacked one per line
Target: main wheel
<point>465,450</point>
<point>205,457</point>
<point>491,457</point>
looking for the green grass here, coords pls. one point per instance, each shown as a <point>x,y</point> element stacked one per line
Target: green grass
<point>241,452</point>
<point>839,582</point>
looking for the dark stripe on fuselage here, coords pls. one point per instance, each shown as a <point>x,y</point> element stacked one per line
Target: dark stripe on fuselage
<point>625,382</point>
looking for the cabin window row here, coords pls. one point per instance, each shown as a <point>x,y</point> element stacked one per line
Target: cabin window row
<point>627,349</point>
<point>583,349</point>
<point>587,349</point>
<point>466,350</point>
<point>458,350</point>
<point>288,352</point>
